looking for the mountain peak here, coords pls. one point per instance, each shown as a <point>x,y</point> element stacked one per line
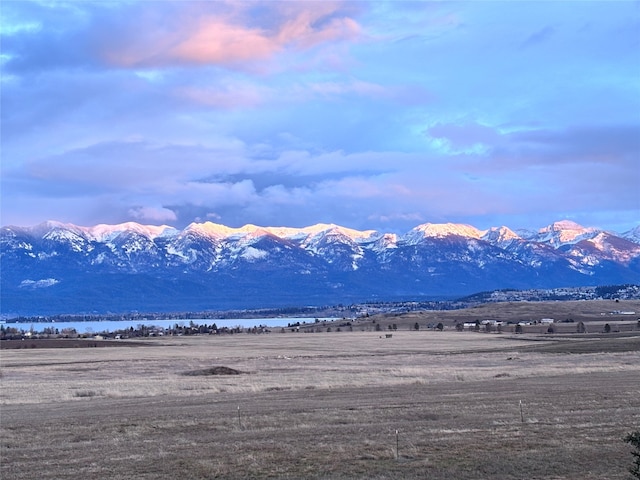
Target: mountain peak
<point>500,235</point>
<point>633,234</point>
<point>210,229</point>
<point>347,232</point>
<point>440,230</point>
<point>211,265</point>
<point>562,225</point>
<point>565,232</point>
<point>102,231</point>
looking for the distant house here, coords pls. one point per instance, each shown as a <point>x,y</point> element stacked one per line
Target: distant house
<point>547,320</point>
<point>491,322</point>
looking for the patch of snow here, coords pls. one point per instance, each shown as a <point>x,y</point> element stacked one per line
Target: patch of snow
<point>47,282</point>
<point>633,235</point>
<point>252,254</point>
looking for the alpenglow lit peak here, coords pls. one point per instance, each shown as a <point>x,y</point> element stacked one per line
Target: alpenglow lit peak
<point>210,229</point>
<point>289,233</point>
<point>355,235</point>
<point>565,231</point>
<point>104,232</point>
<point>209,266</point>
<point>441,230</point>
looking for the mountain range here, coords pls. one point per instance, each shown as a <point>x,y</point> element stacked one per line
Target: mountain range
<point>62,268</point>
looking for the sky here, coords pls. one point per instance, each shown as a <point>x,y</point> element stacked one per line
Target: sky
<point>370,115</point>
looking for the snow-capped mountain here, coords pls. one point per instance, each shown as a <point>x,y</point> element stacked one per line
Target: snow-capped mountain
<point>501,236</point>
<point>565,232</point>
<point>55,267</point>
<point>633,234</point>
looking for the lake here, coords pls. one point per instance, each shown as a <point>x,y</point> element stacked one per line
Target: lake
<point>113,325</point>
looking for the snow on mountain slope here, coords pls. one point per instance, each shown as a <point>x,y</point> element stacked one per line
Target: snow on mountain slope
<point>565,232</point>
<point>500,236</point>
<point>605,246</point>
<point>67,235</point>
<point>355,235</point>
<point>632,235</point>
<point>105,233</point>
<point>210,229</point>
<point>325,262</point>
<point>440,230</point>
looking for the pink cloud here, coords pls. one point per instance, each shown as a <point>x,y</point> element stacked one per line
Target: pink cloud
<point>217,42</point>
<point>300,29</point>
<point>228,38</point>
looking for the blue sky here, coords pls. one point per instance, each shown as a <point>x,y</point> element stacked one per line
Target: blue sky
<point>371,115</point>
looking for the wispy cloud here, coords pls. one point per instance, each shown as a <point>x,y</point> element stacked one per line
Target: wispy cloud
<point>538,37</point>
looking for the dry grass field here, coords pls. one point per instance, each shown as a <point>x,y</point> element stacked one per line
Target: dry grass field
<point>595,313</point>
<point>422,404</point>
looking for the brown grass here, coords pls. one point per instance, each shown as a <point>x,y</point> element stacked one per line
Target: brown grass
<point>594,312</point>
<point>324,406</point>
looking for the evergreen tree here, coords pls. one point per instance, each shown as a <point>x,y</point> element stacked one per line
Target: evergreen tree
<point>634,440</point>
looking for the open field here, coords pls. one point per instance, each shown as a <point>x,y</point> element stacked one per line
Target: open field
<point>324,405</point>
<point>594,313</point>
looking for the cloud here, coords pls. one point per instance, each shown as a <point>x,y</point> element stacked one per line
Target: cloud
<point>159,183</point>
<point>304,112</point>
<point>232,36</point>
<point>160,34</point>
<point>152,214</point>
<point>538,37</point>
<point>584,144</point>
<point>227,95</point>
<point>470,137</point>
<point>356,87</point>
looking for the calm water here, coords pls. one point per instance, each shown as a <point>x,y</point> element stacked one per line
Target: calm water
<point>112,326</point>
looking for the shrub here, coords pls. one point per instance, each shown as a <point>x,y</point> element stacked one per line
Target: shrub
<point>85,394</point>
<point>213,371</point>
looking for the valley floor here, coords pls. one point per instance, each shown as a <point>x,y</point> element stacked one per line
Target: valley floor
<point>421,404</point>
